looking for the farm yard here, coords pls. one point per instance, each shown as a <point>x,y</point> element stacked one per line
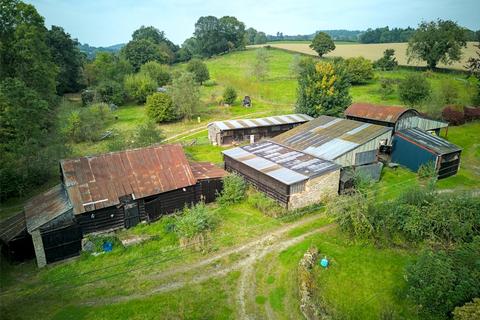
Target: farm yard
<point>236,178</point>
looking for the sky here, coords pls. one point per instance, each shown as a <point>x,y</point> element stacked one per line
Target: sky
<point>108,22</point>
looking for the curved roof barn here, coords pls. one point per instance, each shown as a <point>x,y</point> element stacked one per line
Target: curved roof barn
<point>390,114</point>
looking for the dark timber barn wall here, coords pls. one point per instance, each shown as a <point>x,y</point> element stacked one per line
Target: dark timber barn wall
<point>16,242</point>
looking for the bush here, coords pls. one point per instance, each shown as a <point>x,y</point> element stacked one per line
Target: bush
<point>471,113</point>
<point>453,115</point>
<point>139,86</point>
<point>448,92</point>
<point>88,96</point>
<point>229,95</point>
<point>185,94</point>
<point>470,310</point>
<point>360,70</point>
<point>387,62</point>
<point>157,72</point>
<point>427,171</point>
<point>160,108</point>
<point>234,188</point>
<point>199,70</point>
<point>194,221</point>
<point>87,124</point>
<point>386,87</point>
<point>266,205</point>
<point>414,89</point>
<point>146,135</point>
<point>110,92</point>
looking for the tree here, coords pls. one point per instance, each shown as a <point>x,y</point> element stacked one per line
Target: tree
<point>322,43</point>
<point>138,86</point>
<point>473,65</point>
<point>233,31</point>
<point>388,61</point>
<point>260,38</point>
<point>434,42</point>
<point>146,135</point>
<point>110,91</point>
<point>260,65</point>
<point>199,70</point>
<point>323,88</point>
<point>229,95</point>
<point>190,48</point>
<point>107,67</point>
<point>160,108</point>
<point>139,52</point>
<point>156,71</point>
<point>185,94</point>
<point>68,58</point>
<point>360,70</point>
<point>250,34</point>
<point>414,89</point>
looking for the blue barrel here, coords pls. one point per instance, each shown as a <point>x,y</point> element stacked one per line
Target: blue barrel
<point>107,246</point>
<point>324,262</point>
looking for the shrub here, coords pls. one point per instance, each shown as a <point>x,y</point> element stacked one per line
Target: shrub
<point>199,70</point>
<point>109,91</point>
<point>266,205</point>
<point>448,92</point>
<point>427,170</point>
<point>87,124</point>
<point>88,96</point>
<point>160,108</point>
<point>470,310</point>
<point>194,221</point>
<point>453,115</point>
<point>387,62</point>
<point>414,89</point>
<point>229,95</point>
<point>359,70</point>
<point>157,72</point>
<point>471,113</point>
<point>185,94</point>
<point>386,87</point>
<point>146,134</point>
<point>139,86</point>
<point>234,188</point>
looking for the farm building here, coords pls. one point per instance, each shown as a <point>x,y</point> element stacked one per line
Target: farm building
<point>16,242</point>
<point>115,190</point>
<point>395,117</point>
<point>414,148</point>
<point>293,178</point>
<point>345,142</point>
<point>238,131</point>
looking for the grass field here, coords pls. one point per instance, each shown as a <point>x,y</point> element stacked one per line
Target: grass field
<point>372,52</point>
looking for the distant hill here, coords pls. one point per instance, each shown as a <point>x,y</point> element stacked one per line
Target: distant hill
<point>337,35</point>
<point>92,51</point>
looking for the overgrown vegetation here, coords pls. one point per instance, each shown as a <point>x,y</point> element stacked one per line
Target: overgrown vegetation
<point>195,220</point>
<point>234,189</point>
<point>414,89</point>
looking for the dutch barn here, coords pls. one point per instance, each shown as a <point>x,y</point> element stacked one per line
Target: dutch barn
<point>345,142</point>
<point>115,190</point>
<point>395,117</point>
<point>237,131</point>
<point>413,148</point>
<point>293,178</point>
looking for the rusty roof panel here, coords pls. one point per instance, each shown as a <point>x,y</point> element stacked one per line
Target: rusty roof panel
<point>46,207</point>
<point>100,181</point>
<point>389,114</point>
<point>12,227</point>
<point>206,170</point>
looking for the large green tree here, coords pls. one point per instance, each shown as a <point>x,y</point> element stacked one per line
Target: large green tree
<point>437,41</point>
<point>323,88</point>
<point>68,58</point>
<point>185,94</point>
<point>107,67</point>
<point>322,43</point>
<point>199,70</point>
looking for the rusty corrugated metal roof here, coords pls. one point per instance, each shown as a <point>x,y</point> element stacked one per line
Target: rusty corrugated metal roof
<point>388,114</point>
<point>206,170</point>
<point>12,227</point>
<point>97,182</point>
<point>46,206</point>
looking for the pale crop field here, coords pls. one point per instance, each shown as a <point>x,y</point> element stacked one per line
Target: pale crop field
<point>374,51</point>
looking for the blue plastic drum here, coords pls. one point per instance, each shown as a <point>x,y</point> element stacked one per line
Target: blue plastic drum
<point>324,262</point>
<point>107,246</point>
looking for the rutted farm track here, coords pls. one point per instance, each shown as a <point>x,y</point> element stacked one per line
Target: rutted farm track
<point>214,266</point>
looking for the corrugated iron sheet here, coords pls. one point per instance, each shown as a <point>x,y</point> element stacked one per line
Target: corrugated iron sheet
<point>329,137</point>
<point>206,170</point>
<point>46,206</point>
<point>432,142</point>
<point>99,181</point>
<point>281,163</point>
<point>388,114</point>
<point>261,122</point>
<point>12,226</point>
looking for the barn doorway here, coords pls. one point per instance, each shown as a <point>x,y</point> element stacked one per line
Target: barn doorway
<point>131,212</point>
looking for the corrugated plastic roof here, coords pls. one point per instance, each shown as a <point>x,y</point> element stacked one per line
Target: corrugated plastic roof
<point>388,114</point>
<point>12,226</point>
<point>46,206</point>
<point>434,143</point>
<point>281,163</point>
<point>329,137</point>
<point>99,181</point>
<point>261,122</point>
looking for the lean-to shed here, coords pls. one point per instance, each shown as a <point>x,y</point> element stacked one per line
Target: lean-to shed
<point>293,178</point>
<point>345,142</point>
<point>237,131</point>
<point>395,117</point>
<point>413,148</point>
<point>16,242</point>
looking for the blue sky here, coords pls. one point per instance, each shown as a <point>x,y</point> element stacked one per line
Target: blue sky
<point>108,22</point>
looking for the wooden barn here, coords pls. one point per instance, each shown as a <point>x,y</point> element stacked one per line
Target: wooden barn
<point>394,117</point>
<point>229,132</point>
<point>16,243</point>
<point>293,178</point>
<point>115,190</point>
<point>413,148</point>
<point>345,142</point>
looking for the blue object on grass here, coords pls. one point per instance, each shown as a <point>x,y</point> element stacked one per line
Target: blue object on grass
<point>107,246</point>
<point>324,262</point>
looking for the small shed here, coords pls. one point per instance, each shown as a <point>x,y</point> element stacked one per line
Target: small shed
<point>210,179</point>
<point>16,242</point>
<point>229,132</point>
<point>413,148</point>
<point>293,178</point>
<point>345,142</point>
<point>395,117</point>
